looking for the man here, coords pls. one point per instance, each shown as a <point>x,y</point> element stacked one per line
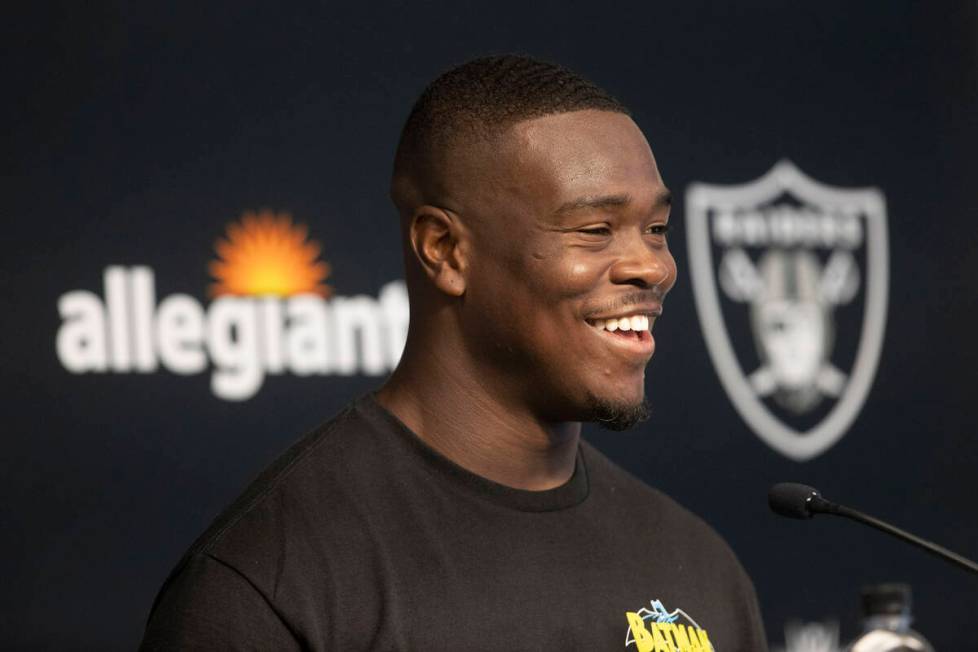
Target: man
<point>458,508</point>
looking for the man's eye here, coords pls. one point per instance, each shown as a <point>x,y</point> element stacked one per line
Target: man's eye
<point>595,230</point>
<point>658,229</point>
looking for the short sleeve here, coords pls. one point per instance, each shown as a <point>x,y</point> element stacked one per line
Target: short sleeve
<point>208,605</point>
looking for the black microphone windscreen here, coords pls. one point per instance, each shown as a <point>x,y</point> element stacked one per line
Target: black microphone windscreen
<point>791,499</point>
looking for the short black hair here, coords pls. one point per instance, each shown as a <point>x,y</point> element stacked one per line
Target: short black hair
<point>486,95</point>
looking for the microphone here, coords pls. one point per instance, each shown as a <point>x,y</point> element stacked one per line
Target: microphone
<point>801,501</point>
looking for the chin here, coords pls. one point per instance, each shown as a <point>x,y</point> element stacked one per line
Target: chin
<point>618,413</point>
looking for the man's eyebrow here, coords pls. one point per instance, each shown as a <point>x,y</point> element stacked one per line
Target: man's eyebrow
<point>605,201</point>
<point>609,201</point>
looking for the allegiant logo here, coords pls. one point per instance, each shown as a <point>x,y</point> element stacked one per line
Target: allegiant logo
<point>271,313</point>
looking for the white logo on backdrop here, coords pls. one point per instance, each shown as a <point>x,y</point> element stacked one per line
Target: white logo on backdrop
<point>785,251</point>
<point>272,314</point>
<point>243,339</point>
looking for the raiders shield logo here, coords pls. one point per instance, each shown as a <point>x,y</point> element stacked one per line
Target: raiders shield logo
<point>790,279</point>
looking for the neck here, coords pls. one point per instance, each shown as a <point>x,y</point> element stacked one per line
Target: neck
<point>481,430</point>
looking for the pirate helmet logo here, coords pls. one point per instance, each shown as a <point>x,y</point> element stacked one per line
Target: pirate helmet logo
<point>781,263</point>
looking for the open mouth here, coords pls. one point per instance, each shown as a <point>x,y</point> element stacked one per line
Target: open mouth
<point>631,330</point>
<point>631,324</point>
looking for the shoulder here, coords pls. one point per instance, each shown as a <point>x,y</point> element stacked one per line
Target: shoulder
<point>611,482</point>
<point>690,557</point>
<point>652,515</point>
<point>209,605</point>
<point>303,470</point>
<point>290,546</point>
<point>300,497</point>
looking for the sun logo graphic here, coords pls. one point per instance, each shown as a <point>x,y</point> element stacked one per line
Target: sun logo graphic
<point>265,254</point>
<point>272,313</point>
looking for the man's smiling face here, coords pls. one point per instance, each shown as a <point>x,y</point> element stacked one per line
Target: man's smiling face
<point>568,264</point>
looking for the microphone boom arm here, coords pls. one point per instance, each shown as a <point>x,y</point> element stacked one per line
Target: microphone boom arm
<point>795,500</point>
<point>933,548</point>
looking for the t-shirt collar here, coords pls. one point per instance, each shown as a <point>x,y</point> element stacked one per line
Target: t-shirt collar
<point>569,494</point>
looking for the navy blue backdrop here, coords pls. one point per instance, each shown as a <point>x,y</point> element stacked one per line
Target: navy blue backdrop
<point>137,132</point>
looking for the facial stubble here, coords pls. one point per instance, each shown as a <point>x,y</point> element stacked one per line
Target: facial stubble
<point>616,415</point>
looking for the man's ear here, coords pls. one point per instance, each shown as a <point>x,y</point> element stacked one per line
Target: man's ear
<point>438,240</point>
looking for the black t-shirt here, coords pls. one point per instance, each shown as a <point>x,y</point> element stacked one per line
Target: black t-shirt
<point>361,537</point>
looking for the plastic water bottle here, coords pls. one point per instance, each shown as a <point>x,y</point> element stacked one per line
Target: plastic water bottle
<point>886,622</point>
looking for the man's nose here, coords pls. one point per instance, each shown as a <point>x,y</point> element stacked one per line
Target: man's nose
<point>645,265</point>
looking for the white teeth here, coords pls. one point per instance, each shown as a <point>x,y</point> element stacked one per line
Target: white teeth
<point>634,323</point>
